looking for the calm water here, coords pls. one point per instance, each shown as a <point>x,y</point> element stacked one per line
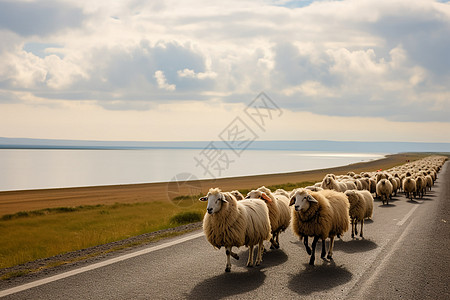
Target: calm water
<point>37,169</point>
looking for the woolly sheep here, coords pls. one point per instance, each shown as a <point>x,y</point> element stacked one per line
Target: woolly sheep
<point>282,192</point>
<point>320,215</point>
<point>380,176</point>
<point>409,187</point>
<point>279,211</point>
<point>394,185</point>
<point>350,185</point>
<point>365,183</point>
<point>384,190</point>
<point>373,186</point>
<point>421,186</point>
<point>429,181</point>
<point>330,183</point>
<point>230,223</point>
<point>314,188</point>
<point>237,195</point>
<point>361,207</point>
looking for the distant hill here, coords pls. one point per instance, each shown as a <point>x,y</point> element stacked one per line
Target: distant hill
<point>318,145</point>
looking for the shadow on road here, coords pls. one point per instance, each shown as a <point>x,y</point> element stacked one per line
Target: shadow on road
<point>356,245</point>
<point>386,205</point>
<point>271,258</point>
<point>319,278</point>
<point>228,284</point>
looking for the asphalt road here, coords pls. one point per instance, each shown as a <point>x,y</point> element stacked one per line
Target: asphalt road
<point>405,256</point>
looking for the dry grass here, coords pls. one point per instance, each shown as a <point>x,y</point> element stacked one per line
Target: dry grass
<point>30,236</point>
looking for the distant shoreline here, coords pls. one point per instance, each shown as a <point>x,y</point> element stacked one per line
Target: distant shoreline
<point>26,200</point>
<point>294,145</point>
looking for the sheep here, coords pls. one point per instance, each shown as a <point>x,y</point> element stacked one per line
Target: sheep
<point>282,192</point>
<point>314,188</point>
<point>320,214</point>
<point>361,207</point>
<point>429,180</point>
<point>365,183</point>
<point>409,187</point>
<point>330,183</point>
<point>384,190</point>
<point>237,195</point>
<point>350,185</point>
<point>279,211</point>
<point>380,176</point>
<point>394,185</point>
<point>421,186</point>
<point>373,186</point>
<point>230,223</point>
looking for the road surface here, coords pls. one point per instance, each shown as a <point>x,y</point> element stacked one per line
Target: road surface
<point>405,256</point>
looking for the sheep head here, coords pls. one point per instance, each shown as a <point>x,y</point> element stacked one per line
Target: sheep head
<point>301,199</point>
<point>215,199</point>
<point>257,194</point>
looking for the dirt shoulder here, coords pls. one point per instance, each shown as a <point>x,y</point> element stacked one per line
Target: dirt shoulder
<point>15,201</point>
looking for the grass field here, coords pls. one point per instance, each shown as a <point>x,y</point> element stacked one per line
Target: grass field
<point>28,236</point>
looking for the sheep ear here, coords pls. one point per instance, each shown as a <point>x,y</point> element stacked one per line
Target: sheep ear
<point>266,198</point>
<point>311,199</point>
<point>292,201</point>
<point>223,198</point>
<point>203,199</point>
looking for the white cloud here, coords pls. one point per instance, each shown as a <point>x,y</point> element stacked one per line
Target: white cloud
<point>357,58</point>
<point>162,82</point>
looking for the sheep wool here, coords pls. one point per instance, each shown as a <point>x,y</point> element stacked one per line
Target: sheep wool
<point>230,223</point>
<point>320,214</point>
<point>384,190</point>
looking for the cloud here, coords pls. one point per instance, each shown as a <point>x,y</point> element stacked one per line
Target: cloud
<point>162,82</point>
<point>38,17</point>
<point>357,58</point>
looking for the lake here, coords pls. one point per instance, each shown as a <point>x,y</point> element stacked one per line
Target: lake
<point>22,169</point>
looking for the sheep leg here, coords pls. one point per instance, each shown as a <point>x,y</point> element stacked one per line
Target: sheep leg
<point>324,252</point>
<point>305,241</point>
<point>250,256</point>
<point>273,241</point>
<point>228,253</point>
<point>362,224</point>
<point>356,228</point>
<point>313,251</point>
<point>330,250</point>
<point>277,240</point>
<point>260,253</point>
<point>353,227</point>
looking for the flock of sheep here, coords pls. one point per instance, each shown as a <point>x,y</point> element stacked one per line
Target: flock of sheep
<point>324,210</point>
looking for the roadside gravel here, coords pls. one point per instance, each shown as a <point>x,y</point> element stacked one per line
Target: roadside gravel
<point>53,265</point>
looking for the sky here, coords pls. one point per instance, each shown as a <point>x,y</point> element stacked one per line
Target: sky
<point>352,70</point>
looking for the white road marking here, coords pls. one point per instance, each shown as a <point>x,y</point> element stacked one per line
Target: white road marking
<point>97,265</point>
<point>406,217</point>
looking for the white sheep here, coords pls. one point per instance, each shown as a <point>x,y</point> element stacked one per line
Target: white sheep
<point>279,211</point>
<point>429,180</point>
<point>329,182</point>
<point>384,190</point>
<point>421,186</point>
<point>409,187</point>
<point>230,223</point>
<point>361,207</point>
<point>320,214</point>
<point>237,195</point>
<point>351,185</point>
<point>394,185</point>
<point>314,188</point>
